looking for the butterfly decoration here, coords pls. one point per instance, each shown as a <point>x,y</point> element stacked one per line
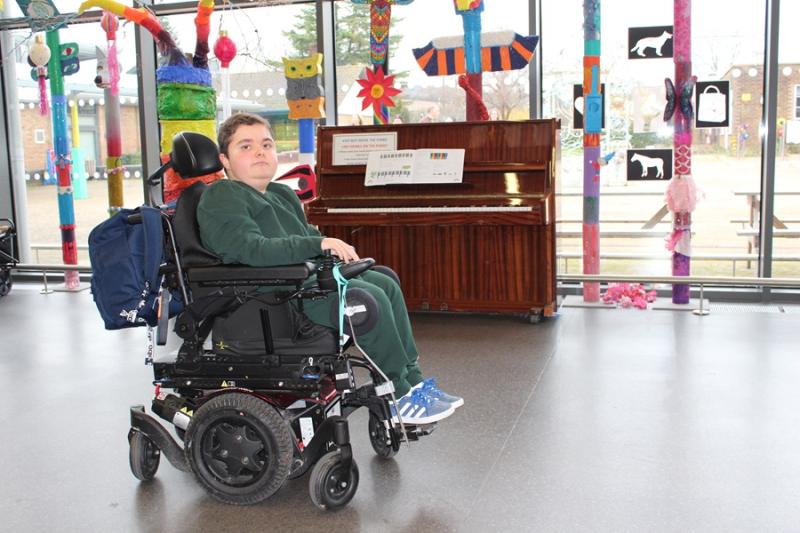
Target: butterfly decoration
<point>682,101</point>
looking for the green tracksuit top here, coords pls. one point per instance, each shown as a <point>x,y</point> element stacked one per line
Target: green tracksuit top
<point>243,226</point>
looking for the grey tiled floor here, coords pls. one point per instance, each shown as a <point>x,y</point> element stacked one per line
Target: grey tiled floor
<point>596,421</point>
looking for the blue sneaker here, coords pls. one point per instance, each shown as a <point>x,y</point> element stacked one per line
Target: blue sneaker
<point>430,387</point>
<point>417,408</point>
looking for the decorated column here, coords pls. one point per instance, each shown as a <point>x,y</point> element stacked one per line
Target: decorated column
<point>474,53</point>
<point>380,14</point>
<point>682,185</point>
<point>592,129</point>
<point>66,211</point>
<point>304,95</point>
<point>470,11</point>
<point>108,79</point>
<point>186,99</point>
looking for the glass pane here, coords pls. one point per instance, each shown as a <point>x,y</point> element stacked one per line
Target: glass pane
<point>86,104</point>
<point>258,85</point>
<point>428,98</point>
<point>786,223</point>
<point>727,44</point>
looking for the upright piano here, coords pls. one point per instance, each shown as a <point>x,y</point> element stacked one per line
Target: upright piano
<point>484,245</point>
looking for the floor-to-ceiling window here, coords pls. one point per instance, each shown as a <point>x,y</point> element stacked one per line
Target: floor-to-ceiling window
<point>727,49</point>
<point>34,160</point>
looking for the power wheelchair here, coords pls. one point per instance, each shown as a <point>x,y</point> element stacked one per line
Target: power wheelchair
<point>269,398</point>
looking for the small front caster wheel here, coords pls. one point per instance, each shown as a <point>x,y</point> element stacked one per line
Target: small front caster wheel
<point>331,484</point>
<point>384,446</point>
<point>144,456</point>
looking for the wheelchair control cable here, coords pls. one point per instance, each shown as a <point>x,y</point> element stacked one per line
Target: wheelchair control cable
<point>342,283</point>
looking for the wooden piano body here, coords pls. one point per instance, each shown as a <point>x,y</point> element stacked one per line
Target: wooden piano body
<point>484,245</point>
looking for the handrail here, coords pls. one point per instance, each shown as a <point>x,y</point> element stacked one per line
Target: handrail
<point>718,281</point>
<point>40,267</point>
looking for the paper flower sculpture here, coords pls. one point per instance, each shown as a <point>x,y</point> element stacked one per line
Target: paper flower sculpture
<point>377,90</point>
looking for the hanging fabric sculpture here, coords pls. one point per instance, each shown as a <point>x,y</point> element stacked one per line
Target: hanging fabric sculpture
<point>474,53</point>
<point>186,98</point>
<point>380,15</point>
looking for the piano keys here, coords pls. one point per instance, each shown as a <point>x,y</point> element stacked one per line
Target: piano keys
<point>484,245</point>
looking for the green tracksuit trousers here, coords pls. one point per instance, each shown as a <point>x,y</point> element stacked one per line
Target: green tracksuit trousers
<point>390,343</point>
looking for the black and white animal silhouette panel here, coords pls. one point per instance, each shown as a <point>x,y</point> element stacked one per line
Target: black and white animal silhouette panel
<point>649,164</point>
<point>653,42</point>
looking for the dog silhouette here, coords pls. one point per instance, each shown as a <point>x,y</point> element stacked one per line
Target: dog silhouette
<point>656,43</point>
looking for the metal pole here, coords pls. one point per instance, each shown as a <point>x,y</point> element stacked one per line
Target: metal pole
<point>768,141</point>
<point>15,171</point>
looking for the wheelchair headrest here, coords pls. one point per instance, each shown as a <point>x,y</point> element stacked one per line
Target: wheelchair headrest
<point>194,155</point>
<point>187,231</point>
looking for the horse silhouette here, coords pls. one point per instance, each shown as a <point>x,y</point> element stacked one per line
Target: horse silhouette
<point>648,162</point>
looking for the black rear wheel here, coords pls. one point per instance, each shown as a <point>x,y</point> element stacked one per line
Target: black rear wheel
<point>239,448</point>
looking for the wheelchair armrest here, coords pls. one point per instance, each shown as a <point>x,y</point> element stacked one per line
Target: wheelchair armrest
<point>247,275</point>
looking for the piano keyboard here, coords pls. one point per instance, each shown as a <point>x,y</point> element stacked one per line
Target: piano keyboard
<point>464,209</point>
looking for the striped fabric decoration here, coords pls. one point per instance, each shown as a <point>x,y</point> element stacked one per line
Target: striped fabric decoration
<point>449,61</point>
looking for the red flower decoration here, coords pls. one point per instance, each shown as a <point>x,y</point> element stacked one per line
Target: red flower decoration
<point>377,90</point>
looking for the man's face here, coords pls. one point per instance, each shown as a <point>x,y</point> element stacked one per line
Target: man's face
<point>251,156</point>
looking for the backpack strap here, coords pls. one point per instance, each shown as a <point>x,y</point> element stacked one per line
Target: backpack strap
<point>153,247</point>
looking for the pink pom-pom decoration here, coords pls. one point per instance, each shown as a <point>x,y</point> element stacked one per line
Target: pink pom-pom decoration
<point>628,295</point>
<point>682,194</point>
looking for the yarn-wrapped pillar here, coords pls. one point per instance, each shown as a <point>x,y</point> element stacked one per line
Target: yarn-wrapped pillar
<point>472,55</point>
<point>682,142</point>
<point>66,209</point>
<point>591,147</point>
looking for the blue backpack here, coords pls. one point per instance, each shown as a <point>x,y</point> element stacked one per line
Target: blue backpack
<point>125,261</point>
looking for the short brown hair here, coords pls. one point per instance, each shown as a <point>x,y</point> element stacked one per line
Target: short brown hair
<point>229,127</point>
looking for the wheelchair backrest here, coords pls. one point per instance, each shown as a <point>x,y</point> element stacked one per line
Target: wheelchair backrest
<point>187,231</point>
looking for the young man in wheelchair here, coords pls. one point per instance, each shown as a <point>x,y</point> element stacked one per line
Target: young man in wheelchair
<point>248,220</point>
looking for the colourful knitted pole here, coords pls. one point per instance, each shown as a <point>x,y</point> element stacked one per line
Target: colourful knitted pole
<point>592,124</point>
<point>470,11</point>
<point>682,143</point>
<point>66,211</point>
<point>114,169</point>
<point>380,15</point>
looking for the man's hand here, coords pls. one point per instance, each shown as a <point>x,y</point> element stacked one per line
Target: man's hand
<point>339,248</point>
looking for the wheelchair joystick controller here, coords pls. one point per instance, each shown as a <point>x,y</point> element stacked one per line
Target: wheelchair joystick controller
<point>325,277</point>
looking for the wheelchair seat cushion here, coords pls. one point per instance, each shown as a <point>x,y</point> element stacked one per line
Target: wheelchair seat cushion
<point>240,333</point>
